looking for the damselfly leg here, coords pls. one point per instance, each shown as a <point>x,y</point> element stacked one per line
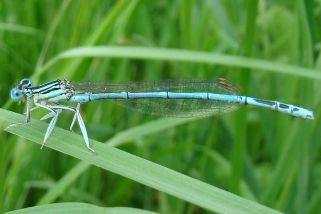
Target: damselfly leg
<point>54,112</point>
<point>27,113</point>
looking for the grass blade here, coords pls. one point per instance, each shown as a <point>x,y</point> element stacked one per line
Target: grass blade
<point>122,137</point>
<point>182,55</point>
<point>135,168</point>
<point>60,208</point>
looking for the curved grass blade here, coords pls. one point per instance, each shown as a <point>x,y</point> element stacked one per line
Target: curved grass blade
<point>136,168</point>
<point>119,139</point>
<point>59,208</point>
<point>182,55</point>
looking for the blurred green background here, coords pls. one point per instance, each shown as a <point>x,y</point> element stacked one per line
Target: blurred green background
<point>258,154</point>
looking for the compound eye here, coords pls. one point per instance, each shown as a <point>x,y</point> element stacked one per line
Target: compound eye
<point>25,83</point>
<point>16,94</point>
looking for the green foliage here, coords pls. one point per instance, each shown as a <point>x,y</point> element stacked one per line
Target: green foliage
<point>78,208</point>
<point>269,49</point>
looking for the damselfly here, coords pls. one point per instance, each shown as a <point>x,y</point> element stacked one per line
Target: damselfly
<point>169,98</point>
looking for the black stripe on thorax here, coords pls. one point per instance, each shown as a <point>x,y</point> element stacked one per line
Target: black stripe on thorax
<point>47,87</point>
<point>49,90</point>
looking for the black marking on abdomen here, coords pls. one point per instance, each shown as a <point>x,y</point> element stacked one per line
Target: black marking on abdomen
<point>295,109</point>
<point>266,102</point>
<point>284,106</point>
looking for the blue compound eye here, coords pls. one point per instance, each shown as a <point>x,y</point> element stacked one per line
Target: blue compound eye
<point>25,83</point>
<point>16,94</point>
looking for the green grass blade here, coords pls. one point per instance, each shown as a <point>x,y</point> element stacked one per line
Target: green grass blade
<point>103,28</point>
<point>239,148</point>
<point>122,137</point>
<point>183,55</point>
<point>59,187</point>
<point>145,129</point>
<point>19,29</point>
<point>135,168</point>
<point>60,208</point>
<point>50,34</point>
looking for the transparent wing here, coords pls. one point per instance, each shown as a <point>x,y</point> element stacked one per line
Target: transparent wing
<point>168,107</point>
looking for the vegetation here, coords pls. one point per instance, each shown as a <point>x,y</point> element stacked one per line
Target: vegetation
<point>248,161</point>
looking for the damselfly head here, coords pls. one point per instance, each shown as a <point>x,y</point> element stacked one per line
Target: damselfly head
<point>24,83</point>
<point>18,92</point>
